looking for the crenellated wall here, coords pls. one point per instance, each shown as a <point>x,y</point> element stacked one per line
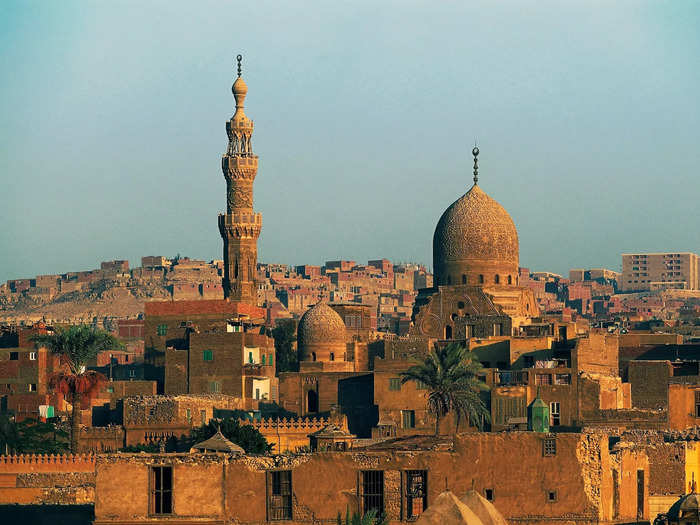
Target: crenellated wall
<point>47,479</point>
<point>287,434</point>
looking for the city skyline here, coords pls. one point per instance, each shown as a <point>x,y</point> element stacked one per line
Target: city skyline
<point>127,169</point>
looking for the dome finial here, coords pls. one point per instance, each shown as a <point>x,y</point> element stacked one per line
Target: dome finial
<point>475,152</point>
<point>238,59</point>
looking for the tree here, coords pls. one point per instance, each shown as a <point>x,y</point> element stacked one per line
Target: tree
<point>245,436</point>
<point>31,437</point>
<point>76,346</point>
<point>285,336</point>
<point>450,374</point>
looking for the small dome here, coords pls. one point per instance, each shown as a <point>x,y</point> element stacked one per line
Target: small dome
<point>475,236</point>
<point>321,325</point>
<point>218,443</point>
<point>691,502</point>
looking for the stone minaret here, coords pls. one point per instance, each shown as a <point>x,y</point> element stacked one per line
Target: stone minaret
<point>240,226</point>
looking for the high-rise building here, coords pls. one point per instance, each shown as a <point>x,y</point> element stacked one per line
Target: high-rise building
<point>654,271</point>
<point>240,225</point>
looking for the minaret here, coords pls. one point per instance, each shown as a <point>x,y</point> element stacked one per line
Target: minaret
<point>240,226</point>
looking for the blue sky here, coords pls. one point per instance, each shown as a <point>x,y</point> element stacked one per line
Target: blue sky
<point>586,113</point>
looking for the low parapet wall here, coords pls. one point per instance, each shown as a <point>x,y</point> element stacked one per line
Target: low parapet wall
<point>47,479</point>
<point>287,434</point>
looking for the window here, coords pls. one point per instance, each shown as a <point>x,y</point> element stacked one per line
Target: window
<point>32,356</point>
<point>313,356</point>
<point>188,415</point>
<point>551,496</point>
<point>416,493</point>
<point>372,491</point>
<point>132,373</point>
<point>161,490</point>
<point>279,495</point>
<point>208,355</point>
<point>250,358</point>
<point>510,279</point>
<point>549,446</point>
<point>543,379</point>
<point>464,279</point>
<point>408,419</point>
<point>332,357</point>
<point>14,356</point>
<point>481,279</point>
<point>162,329</point>
<point>420,385</point>
<point>554,419</point>
<point>32,387</point>
<point>394,383</point>
<point>488,494</point>
<point>562,379</point>
<point>497,279</point>
<point>214,387</point>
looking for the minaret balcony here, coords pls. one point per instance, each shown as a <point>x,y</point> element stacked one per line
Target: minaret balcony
<point>237,217</point>
<point>239,162</point>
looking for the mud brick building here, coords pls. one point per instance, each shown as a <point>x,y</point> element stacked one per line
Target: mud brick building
<point>576,477</point>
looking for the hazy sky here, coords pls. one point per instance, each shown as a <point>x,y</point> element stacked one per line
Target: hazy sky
<point>587,115</point>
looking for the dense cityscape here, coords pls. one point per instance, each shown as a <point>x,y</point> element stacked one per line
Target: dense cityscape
<point>467,390</point>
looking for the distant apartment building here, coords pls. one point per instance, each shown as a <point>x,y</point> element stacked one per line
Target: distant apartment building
<point>593,274</point>
<point>655,271</point>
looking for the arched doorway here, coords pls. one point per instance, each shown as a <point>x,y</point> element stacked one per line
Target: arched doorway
<point>311,401</point>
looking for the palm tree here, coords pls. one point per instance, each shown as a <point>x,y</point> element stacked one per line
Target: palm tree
<point>76,346</point>
<point>450,374</point>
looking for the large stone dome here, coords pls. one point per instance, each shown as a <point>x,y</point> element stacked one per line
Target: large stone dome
<point>475,243</point>
<point>321,332</point>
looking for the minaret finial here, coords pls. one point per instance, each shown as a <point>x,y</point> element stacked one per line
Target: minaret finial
<point>238,59</point>
<point>475,152</point>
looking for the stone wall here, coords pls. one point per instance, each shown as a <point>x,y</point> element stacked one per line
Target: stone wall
<point>47,479</point>
<point>511,465</point>
<point>649,383</point>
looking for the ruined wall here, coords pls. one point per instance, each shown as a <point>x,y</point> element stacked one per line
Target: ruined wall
<point>512,466</point>
<point>47,479</point>
<point>649,383</point>
<point>596,354</point>
<point>154,418</point>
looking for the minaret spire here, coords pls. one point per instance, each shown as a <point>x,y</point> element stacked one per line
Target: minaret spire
<point>240,226</point>
<point>475,152</point>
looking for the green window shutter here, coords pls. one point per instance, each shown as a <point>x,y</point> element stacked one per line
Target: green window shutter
<point>262,359</point>
<point>162,329</point>
<point>250,357</point>
<point>208,355</point>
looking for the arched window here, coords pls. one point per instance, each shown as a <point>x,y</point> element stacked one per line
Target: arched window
<point>481,279</point>
<point>497,279</point>
<point>332,356</point>
<point>464,279</point>
<point>510,279</point>
<point>313,356</point>
<point>311,401</point>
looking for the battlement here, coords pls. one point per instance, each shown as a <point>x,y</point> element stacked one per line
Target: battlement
<point>47,463</point>
<point>287,425</point>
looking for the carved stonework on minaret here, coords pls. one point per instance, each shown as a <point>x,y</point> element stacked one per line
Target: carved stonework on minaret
<point>240,226</point>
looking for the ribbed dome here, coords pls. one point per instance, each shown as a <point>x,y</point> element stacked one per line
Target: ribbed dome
<point>475,235</point>
<point>321,324</point>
